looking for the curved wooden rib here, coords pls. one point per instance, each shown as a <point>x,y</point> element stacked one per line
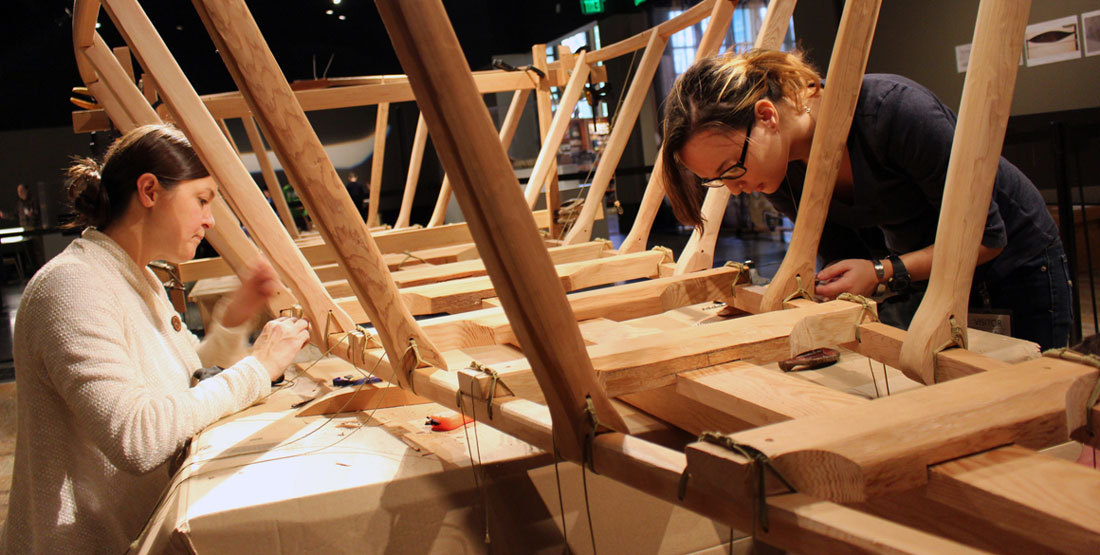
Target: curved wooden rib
<point>488,192</point>
<point>412,178</point>
<point>257,74</point>
<point>853,45</point>
<point>698,253</point>
<point>975,155</point>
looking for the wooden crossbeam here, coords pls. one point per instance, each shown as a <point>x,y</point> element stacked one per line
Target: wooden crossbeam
<point>853,454</point>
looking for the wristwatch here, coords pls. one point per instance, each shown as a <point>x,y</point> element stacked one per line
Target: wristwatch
<point>900,280</point>
<point>880,270</point>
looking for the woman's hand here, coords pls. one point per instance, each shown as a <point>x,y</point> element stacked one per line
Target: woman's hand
<point>259,284</point>
<point>853,275</point>
<point>279,342</point>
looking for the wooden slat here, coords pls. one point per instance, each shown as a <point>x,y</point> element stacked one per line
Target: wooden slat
<point>544,109</point>
<point>758,395</point>
<point>968,187</point>
<point>1042,497</point>
<point>834,120</point>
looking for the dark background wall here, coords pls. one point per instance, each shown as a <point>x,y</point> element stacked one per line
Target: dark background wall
<point>918,39</point>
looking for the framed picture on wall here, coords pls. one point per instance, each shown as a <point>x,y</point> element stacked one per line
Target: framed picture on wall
<point>1090,31</point>
<point>1052,41</point>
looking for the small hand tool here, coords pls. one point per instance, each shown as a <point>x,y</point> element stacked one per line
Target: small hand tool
<point>344,381</point>
<point>811,360</point>
<point>446,423</point>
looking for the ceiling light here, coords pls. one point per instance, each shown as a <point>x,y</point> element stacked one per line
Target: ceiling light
<point>342,17</point>
<point>328,12</point>
<point>98,25</point>
<point>336,2</point>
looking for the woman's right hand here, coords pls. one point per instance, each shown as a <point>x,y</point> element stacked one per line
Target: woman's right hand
<point>279,342</point>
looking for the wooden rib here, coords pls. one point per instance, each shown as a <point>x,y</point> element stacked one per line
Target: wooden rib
<point>381,126</point>
<point>553,186</point>
<point>272,182</point>
<point>114,76</point>
<point>488,192</point>
<point>272,102</point>
<point>412,178</point>
<point>834,119</point>
<point>507,133</point>
<point>626,116</point>
<point>224,164</point>
<point>968,187</point>
<point>852,454</point>
<point>549,152</point>
<point>698,253</point>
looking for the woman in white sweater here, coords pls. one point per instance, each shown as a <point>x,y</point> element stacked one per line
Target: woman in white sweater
<point>106,398</point>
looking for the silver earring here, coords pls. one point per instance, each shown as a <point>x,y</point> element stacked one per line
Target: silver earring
<point>806,109</point>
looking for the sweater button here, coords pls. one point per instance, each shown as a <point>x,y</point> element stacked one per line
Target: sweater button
<point>176,323</point>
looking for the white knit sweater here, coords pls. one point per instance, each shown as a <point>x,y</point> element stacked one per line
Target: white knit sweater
<point>105,399</point>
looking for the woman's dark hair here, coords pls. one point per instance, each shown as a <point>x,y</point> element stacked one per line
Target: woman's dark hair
<point>720,93</point>
<point>100,192</point>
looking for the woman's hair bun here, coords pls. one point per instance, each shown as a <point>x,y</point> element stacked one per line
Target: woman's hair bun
<point>86,192</point>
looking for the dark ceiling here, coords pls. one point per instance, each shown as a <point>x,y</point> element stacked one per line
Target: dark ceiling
<point>39,70</point>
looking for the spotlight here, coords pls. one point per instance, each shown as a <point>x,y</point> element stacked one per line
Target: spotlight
<point>328,12</point>
<point>342,17</point>
<point>336,2</point>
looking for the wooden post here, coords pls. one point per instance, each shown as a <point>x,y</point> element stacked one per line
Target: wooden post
<point>381,126</point>
<point>968,188</point>
<point>507,133</point>
<point>416,158</point>
<point>626,116</point>
<point>258,77</point>
<point>853,45</point>
<point>548,154</point>
<point>545,110</point>
<point>566,59</point>
<point>225,165</point>
<point>698,253</point>
<point>509,243</point>
<point>272,182</point>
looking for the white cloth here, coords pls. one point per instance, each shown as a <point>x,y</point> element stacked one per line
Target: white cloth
<point>105,399</point>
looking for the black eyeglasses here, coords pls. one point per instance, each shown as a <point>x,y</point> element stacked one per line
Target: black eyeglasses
<point>733,172</point>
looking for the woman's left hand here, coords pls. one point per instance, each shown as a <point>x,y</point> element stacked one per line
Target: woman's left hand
<point>853,275</point>
<point>259,284</point>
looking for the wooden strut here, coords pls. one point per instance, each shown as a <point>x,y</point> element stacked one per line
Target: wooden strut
<point>486,187</point>
<point>381,128</point>
<point>968,188</point>
<point>271,100</point>
<point>416,158</point>
<point>272,182</point>
<point>834,120</point>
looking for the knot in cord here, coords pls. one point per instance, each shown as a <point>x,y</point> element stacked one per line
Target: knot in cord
<point>416,352</point>
<point>594,420</point>
<point>758,463</point>
<point>494,379</point>
<point>852,297</point>
<point>739,268</point>
<point>799,292</point>
<point>409,256</point>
